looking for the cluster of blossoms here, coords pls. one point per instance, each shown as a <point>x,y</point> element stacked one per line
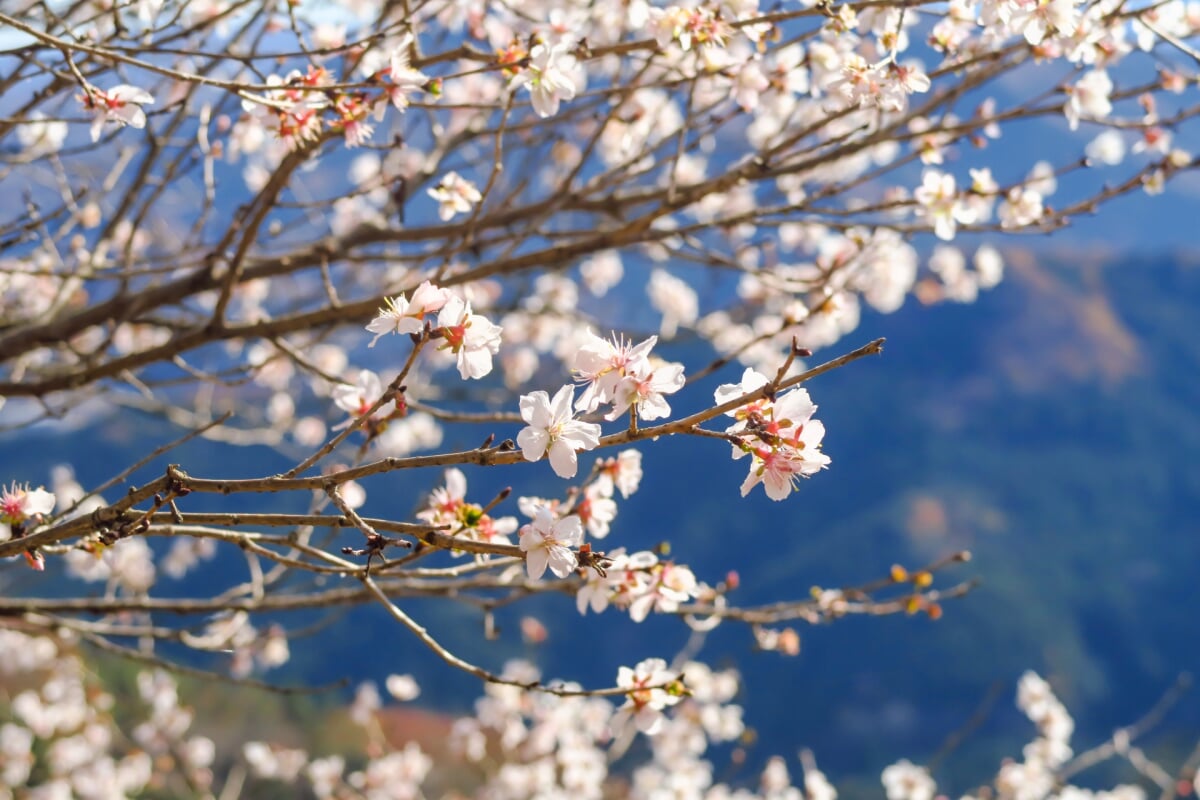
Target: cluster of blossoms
<point>555,529</point>
<point>639,583</point>
<point>886,84</point>
<point>847,78</point>
<point>717,133</point>
<point>615,372</point>
<point>247,647</point>
<point>448,507</point>
<point>64,741</point>
<point>1035,776</point>
<point>625,375</point>
<point>61,731</point>
<point>307,103</point>
<point>294,111</point>
<point>469,339</point>
<point>780,434</point>
<point>472,338</point>
<point>696,26</point>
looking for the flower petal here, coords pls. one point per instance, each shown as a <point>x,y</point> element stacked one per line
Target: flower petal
<point>563,459</point>
<point>533,443</point>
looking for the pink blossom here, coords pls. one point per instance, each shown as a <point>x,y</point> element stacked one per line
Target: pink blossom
<point>596,510</point>
<point>402,315</point>
<point>779,468</point>
<point>602,363</point>
<point>120,104</point>
<point>473,338</point>
<point>447,505</point>
<point>352,113</point>
<point>20,503</point>
<point>643,388</point>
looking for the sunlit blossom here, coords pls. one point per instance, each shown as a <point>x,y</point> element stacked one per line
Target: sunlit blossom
<point>121,104</point>
<point>553,429</point>
<point>547,542</point>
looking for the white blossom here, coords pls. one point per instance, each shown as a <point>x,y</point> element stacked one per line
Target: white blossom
<point>547,542</point>
<point>547,78</point>
<point>552,428</point>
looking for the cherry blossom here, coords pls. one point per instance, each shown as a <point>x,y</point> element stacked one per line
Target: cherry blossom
<point>293,110</point>
<point>401,315</point>
<point>1021,207</point>
<point>553,429</point>
<point>352,112</point>
<point>941,203</point>
<point>1154,139</point>
<point>603,364</point>
<point>473,338</point>
<point>448,506</point>
<point>781,435</point>
<point>546,78</point>
<point>1089,98</point>
<point>596,510</point>
<point>121,104</point>
<point>669,585</point>
<point>675,299</point>
<point>623,473</point>
<point>596,589</point>
<point>629,578</point>
<point>547,542</point>
<point>358,398</point>
<point>905,781</point>
<point>1107,148</point>
<point>455,195</point>
<point>749,86</point>
<point>779,468</point>
<point>405,80</point>
<point>602,272</point>
<point>402,687</point>
<point>643,387</point>
<point>19,503</point>
<point>886,85</point>
<point>40,136</point>
<point>646,697</point>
